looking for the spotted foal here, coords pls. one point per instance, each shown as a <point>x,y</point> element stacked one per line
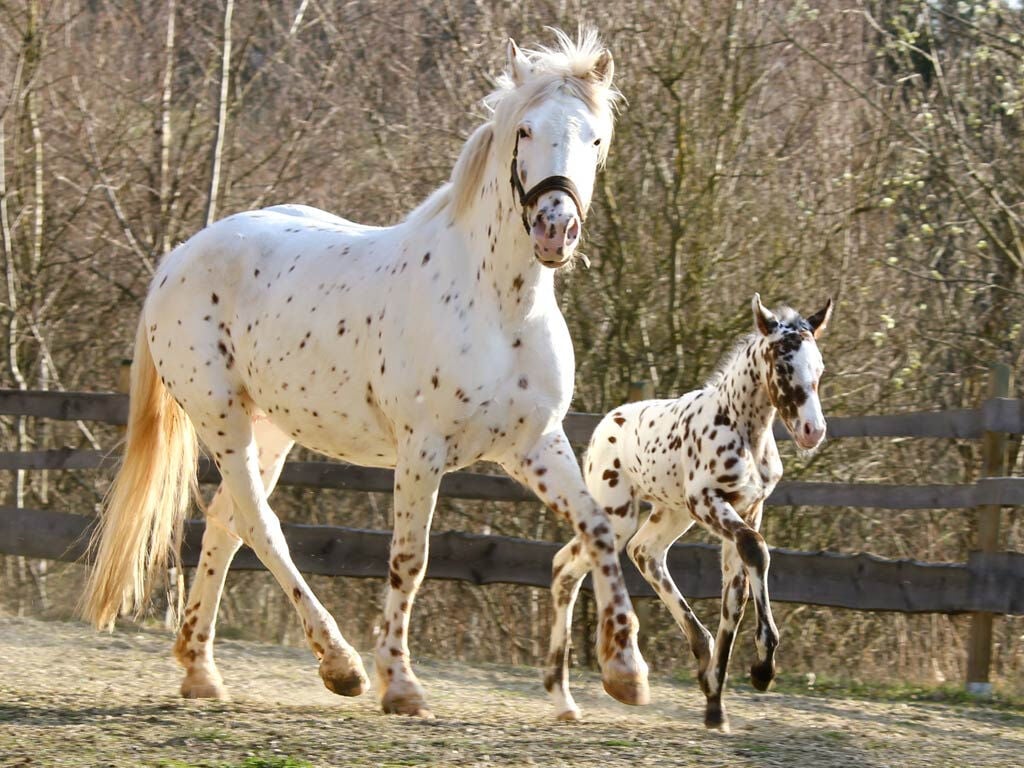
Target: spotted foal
<point>708,457</point>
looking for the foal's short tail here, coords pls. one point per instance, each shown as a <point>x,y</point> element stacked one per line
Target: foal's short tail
<point>145,509</point>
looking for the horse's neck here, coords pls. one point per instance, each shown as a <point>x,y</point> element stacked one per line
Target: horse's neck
<point>500,250</point>
<point>743,392</point>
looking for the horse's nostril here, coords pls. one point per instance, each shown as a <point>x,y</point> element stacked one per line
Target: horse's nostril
<point>572,232</point>
<point>807,429</point>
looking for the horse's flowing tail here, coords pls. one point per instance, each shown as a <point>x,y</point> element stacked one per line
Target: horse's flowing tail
<point>145,509</point>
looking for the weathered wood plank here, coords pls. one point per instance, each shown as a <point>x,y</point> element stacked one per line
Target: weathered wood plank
<point>992,583</point>
<point>998,414</point>
<point>1003,414</point>
<point>1002,491</point>
<point>107,407</point>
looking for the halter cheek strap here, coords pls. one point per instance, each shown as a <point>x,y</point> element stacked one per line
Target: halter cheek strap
<point>551,183</point>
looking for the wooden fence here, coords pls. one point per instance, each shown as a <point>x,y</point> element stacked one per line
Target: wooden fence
<point>990,582</point>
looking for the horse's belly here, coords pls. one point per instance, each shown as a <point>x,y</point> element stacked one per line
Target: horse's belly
<point>332,419</point>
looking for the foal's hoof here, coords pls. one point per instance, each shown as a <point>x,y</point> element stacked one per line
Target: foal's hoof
<point>761,674</point>
<point>410,704</point>
<point>344,676</point>
<point>203,687</point>
<point>715,718</point>
<point>628,690</point>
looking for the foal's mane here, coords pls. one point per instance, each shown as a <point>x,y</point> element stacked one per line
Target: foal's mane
<point>787,316</point>
<point>569,66</point>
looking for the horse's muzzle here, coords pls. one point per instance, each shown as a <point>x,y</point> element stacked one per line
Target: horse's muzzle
<point>555,234</point>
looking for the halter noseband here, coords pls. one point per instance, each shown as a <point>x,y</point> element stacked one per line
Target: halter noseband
<point>528,198</point>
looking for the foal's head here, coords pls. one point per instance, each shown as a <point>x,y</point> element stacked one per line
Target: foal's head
<point>553,117</point>
<point>793,368</point>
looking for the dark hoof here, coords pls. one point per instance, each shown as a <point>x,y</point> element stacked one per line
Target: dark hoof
<point>715,718</point>
<point>761,674</point>
<point>354,684</point>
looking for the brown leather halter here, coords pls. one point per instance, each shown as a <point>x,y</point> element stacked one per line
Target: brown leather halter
<point>551,183</point>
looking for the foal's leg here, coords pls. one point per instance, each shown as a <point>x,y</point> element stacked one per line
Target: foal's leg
<point>417,478</point>
<point>550,469</point>
<point>649,551</point>
<point>734,598</point>
<point>194,647</point>
<point>749,563</point>
<point>766,636</point>
<point>230,436</point>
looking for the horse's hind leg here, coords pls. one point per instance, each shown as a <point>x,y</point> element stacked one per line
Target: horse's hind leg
<point>194,647</point>
<point>230,436</point>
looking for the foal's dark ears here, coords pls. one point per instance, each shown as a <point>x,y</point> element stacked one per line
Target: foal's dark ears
<point>764,320</point>
<point>819,320</point>
<point>519,66</point>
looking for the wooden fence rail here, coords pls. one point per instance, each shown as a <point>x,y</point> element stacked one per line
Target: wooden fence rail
<point>995,415</point>
<point>990,582</point>
<point>993,583</point>
<point>997,491</point>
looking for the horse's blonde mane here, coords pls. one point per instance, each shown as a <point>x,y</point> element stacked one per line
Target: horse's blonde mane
<point>570,66</point>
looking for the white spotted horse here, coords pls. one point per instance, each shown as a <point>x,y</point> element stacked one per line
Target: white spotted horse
<point>707,457</point>
<point>424,346</point>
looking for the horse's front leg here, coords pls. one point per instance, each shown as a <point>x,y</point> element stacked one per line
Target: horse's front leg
<point>549,468</point>
<point>417,478</point>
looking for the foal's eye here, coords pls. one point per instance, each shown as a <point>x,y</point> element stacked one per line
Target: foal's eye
<point>524,133</point>
<point>597,142</point>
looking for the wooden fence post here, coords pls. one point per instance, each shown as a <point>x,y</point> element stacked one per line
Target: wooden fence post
<point>643,606</point>
<point>979,646</point>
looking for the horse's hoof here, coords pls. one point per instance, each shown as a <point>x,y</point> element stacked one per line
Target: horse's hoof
<point>197,687</point>
<point>628,690</point>
<point>715,719</point>
<point>410,704</point>
<point>569,716</point>
<point>344,676</point>
<point>761,674</point>
<point>352,684</point>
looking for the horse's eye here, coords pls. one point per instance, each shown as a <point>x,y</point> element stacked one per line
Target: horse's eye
<point>524,133</point>
<point>597,142</point>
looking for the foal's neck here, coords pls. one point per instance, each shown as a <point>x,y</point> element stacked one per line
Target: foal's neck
<point>500,248</point>
<point>743,390</point>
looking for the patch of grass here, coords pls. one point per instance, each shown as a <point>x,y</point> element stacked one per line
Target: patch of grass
<point>273,761</point>
<point>211,734</point>
<point>618,743</point>
<point>896,691</point>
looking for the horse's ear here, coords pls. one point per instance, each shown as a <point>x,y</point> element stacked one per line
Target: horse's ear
<point>764,320</point>
<point>518,65</point>
<point>604,69</point>
<point>819,320</point>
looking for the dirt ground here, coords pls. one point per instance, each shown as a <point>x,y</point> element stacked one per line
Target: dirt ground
<point>71,697</point>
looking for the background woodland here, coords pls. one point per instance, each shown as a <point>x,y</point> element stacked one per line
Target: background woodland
<point>865,150</point>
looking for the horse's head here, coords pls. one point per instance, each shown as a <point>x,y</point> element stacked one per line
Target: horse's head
<point>794,367</point>
<point>556,114</point>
